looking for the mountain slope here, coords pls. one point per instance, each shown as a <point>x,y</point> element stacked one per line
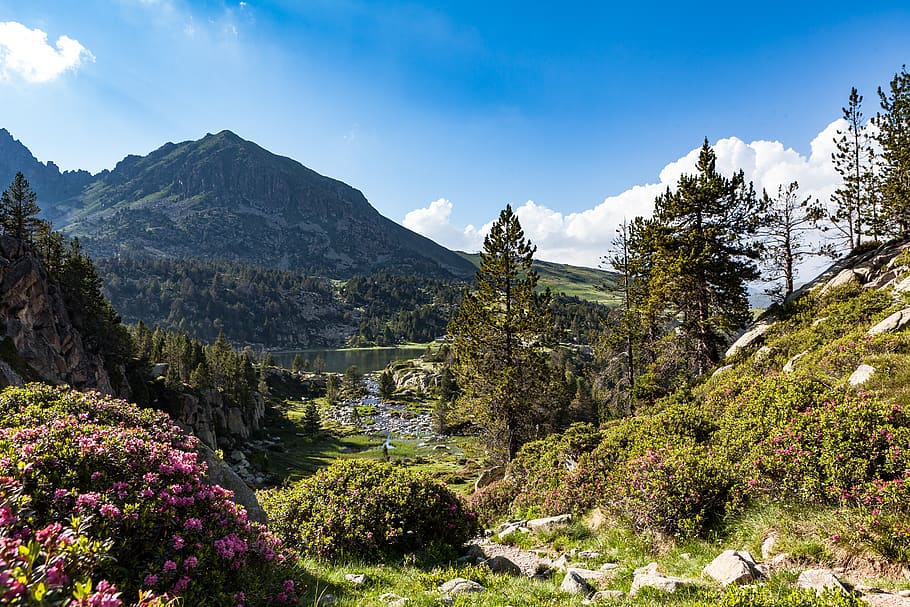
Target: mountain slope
<point>46,179</point>
<point>224,198</point>
<point>589,284</point>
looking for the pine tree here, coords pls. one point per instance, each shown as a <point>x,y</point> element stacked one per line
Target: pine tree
<point>894,138</point>
<point>501,338</point>
<point>297,364</point>
<point>386,384</point>
<point>856,205</point>
<point>332,388</point>
<point>19,210</point>
<point>311,420</point>
<point>703,257</point>
<point>785,222</point>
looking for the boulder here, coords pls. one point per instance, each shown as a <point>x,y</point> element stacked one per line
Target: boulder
<point>587,574</point>
<point>574,583</point>
<point>549,522</point>
<point>767,546</point>
<point>902,286</point>
<point>357,579</point>
<point>489,476</point>
<point>503,565</point>
<point>788,368</point>
<point>732,567</point>
<point>606,595</point>
<point>895,322</point>
<point>820,580</point>
<point>649,577</point>
<point>219,473</point>
<point>460,585</point>
<point>862,374</point>
<point>845,277</point>
<point>720,370</point>
<point>393,600</point>
<point>748,338</point>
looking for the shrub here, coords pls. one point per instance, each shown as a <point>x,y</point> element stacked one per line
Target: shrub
<point>826,453</point>
<point>366,509</point>
<point>132,480</point>
<point>677,490</point>
<point>767,596</point>
<point>494,501</point>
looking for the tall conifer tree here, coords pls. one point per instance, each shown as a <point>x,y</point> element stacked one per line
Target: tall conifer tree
<point>19,209</point>
<point>501,339</point>
<point>894,138</point>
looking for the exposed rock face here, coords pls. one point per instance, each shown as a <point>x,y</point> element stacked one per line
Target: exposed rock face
<point>895,322</point>
<point>219,473</point>
<point>36,324</point>
<point>820,580</point>
<point>573,583</point>
<point>209,416</point>
<point>460,585</point>
<point>862,374</point>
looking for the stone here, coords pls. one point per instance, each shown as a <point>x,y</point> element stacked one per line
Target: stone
<point>159,370</point>
<point>502,565</point>
<point>819,580</point>
<point>561,563</point>
<point>489,476</point>
<point>885,599</point>
<point>767,546</point>
<point>895,322</point>
<point>327,599</point>
<point>788,368</point>
<point>720,370</point>
<point>393,600</point>
<point>845,277</point>
<point>732,567</point>
<point>748,338</point>
<point>588,554</point>
<point>219,473</point>
<point>588,574</point>
<point>862,374</point>
<point>658,582</point>
<point>819,321</point>
<point>549,522</point>
<point>474,553</point>
<point>460,585</point>
<point>902,285</point>
<point>761,354</point>
<point>649,577</point>
<point>609,567</point>
<point>574,583</point>
<point>904,594</point>
<point>517,528</point>
<point>357,579</point>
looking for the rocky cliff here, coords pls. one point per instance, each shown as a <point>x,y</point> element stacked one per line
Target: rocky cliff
<point>39,341</point>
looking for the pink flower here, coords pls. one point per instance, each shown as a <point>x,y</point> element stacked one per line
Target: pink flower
<point>150,580</point>
<point>169,566</point>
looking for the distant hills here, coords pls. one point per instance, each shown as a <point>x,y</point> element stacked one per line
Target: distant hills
<point>225,198</point>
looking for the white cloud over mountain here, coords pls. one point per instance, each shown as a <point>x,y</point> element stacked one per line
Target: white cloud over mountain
<point>26,53</point>
<point>583,238</point>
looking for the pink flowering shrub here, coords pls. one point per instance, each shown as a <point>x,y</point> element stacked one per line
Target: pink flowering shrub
<point>367,509</point>
<point>131,478</point>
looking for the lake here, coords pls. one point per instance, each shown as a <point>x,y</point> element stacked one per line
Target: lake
<point>338,360</point>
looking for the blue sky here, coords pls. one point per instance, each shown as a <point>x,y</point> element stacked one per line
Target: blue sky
<point>441,113</point>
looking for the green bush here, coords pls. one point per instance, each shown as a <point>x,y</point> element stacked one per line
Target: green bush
<point>365,509</point>
<point>768,596</point>
<point>494,501</point>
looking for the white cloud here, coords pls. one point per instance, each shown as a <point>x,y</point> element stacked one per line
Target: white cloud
<point>583,238</point>
<point>26,53</point>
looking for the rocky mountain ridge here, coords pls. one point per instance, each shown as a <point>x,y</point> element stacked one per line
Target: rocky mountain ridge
<point>224,198</point>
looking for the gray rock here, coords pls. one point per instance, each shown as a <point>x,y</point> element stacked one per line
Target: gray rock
<point>327,599</point>
<point>460,585</point>
<point>845,277</point>
<point>609,567</point>
<point>761,354</point>
<point>720,370</point>
<point>489,476</point>
<point>159,370</point>
<point>732,567</point>
<point>649,577</point>
<point>820,580</point>
<point>767,546</point>
<point>788,368</point>
<point>588,574</point>
<point>658,582</point>
<point>513,529</point>
<point>748,338</point>
<point>219,473</point>
<point>574,583</point>
<point>862,374</point>
<point>500,564</point>
<point>357,579</point>
<point>902,285</point>
<point>549,522</point>
<point>393,600</point>
<point>895,322</point>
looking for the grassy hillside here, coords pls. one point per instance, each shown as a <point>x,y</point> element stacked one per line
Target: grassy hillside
<point>585,283</point>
